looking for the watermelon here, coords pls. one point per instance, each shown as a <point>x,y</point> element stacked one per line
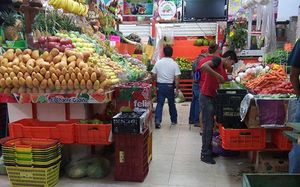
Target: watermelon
<point>199,42</point>
<point>205,42</point>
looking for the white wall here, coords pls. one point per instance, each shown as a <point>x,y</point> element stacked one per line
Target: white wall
<point>287,8</point>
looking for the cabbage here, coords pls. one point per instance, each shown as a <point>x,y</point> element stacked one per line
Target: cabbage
<point>98,168</point>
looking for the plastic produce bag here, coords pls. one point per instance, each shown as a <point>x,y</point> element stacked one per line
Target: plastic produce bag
<point>78,169</point>
<point>245,104</point>
<point>272,112</point>
<point>99,168</point>
<point>2,167</point>
<point>180,97</point>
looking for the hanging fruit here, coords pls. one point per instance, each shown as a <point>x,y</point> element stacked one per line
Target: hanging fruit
<point>70,6</point>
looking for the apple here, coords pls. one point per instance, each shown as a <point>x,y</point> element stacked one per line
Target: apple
<point>52,45</point>
<point>65,41</point>
<point>42,40</point>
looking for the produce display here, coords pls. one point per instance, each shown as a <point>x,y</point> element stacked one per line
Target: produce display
<point>184,64</point>
<point>51,72</point>
<point>50,42</point>
<point>271,79</point>
<point>278,57</point>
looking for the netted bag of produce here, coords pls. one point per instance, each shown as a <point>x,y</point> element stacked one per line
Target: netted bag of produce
<point>98,168</point>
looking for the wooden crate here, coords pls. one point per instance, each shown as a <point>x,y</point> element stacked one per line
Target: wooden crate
<point>185,85</point>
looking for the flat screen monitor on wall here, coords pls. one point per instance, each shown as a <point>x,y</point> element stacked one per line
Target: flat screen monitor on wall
<point>205,10</point>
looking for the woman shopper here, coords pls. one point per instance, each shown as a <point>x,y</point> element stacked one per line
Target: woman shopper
<point>166,71</point>
<point>215,70</point>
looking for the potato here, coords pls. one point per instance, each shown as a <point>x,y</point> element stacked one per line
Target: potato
<point>16,69</point>
<point>27,51</point>
<point>72,58</point>
<point>22,81</point>
<point>54,77</point>
<point>77,70</point>
<point>81,64</point>
<point>8,82</point>
<point>47,75</point>
<point>64,70</point>
<point>49,58</point>
<point>86,76</point>
<point>76,84</point>
<point>35,82</point>
<point>18,52</point>
<point>23,69</point>
<point>3,69</point>
<point>45,55</point>
<point>29,90</point>
<point>79,56</point>
<point>89,85</point>
<point>29,82</point>
<point>90,70</point>
<point>2,83</point>
<point>6,91</point>
<point>57,59</point>
<point>61,78</point>
<point>57,85</point>
<point>51,84</point>
<point>12,75</point>
<point>82,84</point>
<point>30,62</point>
<point>64,85</point>
<point>26,74</point>
<point>70,84</point>
<point>70,53</point>
<point>29,69</point>
<point>21,90</point>
<point>73,76</point>
<point>57,72</point>
<point>79,77</point>
<point>41,90</point>
<point>45,65</point>
<point>35,54</point>
<point>93,77</point>
<point>43,71</point>
<point>67,77</point>
<point>62,64</point>
<point>20,74</point>
<point>9,70</point>
<point>96,85</point>
<point>54,52</point>
<point>52,70</point>
<point>39,62</point>
<point>9,55</point>
<point>25,58</point>
<point>37,69</point>
<point>34,90</point>
<point>64,58</point>
<point>4,62</point>
<point>84,91</point>
<point>33,75</point>
<point>6,75</point>
<point>44,84</point>
<point>72,64</point>
<point>14,90</point>
<point>16,61</point>
<point>71,70</point>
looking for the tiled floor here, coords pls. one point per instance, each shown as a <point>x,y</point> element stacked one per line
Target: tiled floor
<point>176,161</point>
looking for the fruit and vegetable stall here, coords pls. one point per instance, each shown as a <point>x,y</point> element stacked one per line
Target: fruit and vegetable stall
<point>66,86</point>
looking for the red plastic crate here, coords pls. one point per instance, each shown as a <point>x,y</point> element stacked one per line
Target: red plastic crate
<point>280,141</point>
<point>31,128</point>
<point>93,134</point>
<point>131,156</point>
<point>243,139</point>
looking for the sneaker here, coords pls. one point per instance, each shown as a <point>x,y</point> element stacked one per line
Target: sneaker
<point>197,124</point>
<point>208,160</point>
<point>157,126</point>
<point>173,123</point>
<point>191,123</point>
<point>214,155</point>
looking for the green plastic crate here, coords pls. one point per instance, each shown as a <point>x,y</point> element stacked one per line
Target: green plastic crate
<point>271,180</point>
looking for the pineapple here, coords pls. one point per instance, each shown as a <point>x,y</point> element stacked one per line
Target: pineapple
<point>11,32</point>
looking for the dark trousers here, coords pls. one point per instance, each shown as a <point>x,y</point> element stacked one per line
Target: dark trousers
<point>207,108</point>
<point>165,91</point>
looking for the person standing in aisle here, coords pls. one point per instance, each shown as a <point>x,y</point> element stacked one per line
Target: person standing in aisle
<point>215,70</point>
<point>294,61</point>
<point>166,71</point>
<point>197,80</point>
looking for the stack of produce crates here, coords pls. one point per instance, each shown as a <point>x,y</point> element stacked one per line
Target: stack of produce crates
<point>32,162</point>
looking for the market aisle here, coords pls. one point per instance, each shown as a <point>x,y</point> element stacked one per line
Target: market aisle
<point>176,161</point>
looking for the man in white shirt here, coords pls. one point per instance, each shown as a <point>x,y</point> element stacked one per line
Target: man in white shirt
<point>166,71</point>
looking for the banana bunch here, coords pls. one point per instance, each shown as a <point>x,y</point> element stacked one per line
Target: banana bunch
<point>71,6</point>
<point>81,1</point>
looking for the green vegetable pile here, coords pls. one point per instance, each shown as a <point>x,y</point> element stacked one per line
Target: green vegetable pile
<point>203,42</point>
<point>184,64</point>
<point>278,57</point>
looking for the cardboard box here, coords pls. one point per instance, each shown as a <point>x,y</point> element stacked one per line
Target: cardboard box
<point>252,118</point>
<point>271,162</point>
